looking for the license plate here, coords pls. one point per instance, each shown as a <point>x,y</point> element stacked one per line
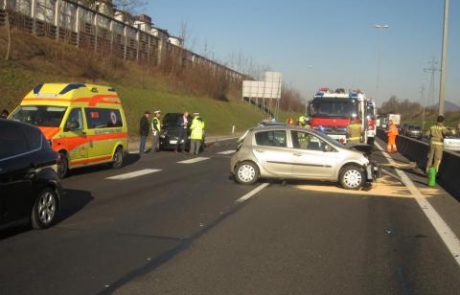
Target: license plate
<point>172,141</point>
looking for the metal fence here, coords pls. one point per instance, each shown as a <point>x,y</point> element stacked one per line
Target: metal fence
<point>72,23</point>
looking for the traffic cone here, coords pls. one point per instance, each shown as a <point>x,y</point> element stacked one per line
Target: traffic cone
<point>432,177</point>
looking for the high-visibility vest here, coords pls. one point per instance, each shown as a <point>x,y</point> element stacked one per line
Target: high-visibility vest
<point>393,131</point>
<point>197,129</point>
<point>156,122</point>
<point>354,132</point>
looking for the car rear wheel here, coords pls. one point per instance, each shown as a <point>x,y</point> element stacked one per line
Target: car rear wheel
<point>246,173</point>
<point>118,158</point>
<point>45,209</point>
<point>63,165</point>
<point>352,177</point>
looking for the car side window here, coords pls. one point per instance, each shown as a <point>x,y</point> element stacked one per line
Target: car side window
<point>103,118</point>
<point>271,138</point>
<point>306,141</point>
<point>75,120</point>
<point>13,142</point>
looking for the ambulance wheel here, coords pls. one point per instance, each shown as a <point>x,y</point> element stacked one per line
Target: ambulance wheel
<point>63,165</point>
<point>118,158</point>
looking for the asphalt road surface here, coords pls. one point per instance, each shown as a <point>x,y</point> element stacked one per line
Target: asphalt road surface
<point>172,224</point>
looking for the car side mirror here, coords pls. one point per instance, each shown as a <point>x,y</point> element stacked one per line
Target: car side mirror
<point>327,148</point>
<point>72,125</point>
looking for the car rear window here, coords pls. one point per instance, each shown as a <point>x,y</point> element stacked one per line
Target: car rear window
<point>271,138</point>
<point>13,142</point>
<point>34,137</point>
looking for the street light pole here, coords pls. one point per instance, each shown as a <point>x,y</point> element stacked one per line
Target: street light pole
<point>442,82</point>
<point>379,59</point>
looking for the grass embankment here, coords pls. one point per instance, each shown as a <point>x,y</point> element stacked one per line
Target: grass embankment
<point>36,60</point>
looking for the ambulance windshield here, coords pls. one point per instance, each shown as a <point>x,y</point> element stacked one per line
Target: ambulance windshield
<point>43,116</point>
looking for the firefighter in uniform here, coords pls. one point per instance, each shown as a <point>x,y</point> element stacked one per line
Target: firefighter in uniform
<point>436,135</point>
<point>392,133</point>
<point>156,129</point>
<point>196,134</point>
<point>354,131</point>
<point>304,122</point>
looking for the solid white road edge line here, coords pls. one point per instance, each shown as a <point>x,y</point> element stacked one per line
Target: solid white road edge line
<point>252,193</point>
<point>227,152</point>
<point>133,174</point>
<point>447,235</point>
<point>194,160</point>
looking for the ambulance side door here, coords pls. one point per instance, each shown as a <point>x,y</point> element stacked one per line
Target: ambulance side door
<point>75,136</point>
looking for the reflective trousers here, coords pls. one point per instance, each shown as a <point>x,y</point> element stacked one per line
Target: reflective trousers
<point>434,156</point>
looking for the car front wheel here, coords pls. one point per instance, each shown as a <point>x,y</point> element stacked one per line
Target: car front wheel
<point>45,209</point>
<point>352,177</point>
<point>246,173</point>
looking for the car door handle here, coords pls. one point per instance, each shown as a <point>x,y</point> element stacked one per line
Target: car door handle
<point>297,154</point>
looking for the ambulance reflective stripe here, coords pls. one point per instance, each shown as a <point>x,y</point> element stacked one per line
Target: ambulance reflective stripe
<point>70,143</point>
<point>91,101</point>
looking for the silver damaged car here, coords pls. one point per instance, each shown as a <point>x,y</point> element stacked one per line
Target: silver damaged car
<point>289,152</point>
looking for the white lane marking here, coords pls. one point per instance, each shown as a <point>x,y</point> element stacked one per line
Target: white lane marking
<point>252,193</point>
<point>194,160</point>
<point>447,235</point>
<point>133,174</point>
<point>227,152</point>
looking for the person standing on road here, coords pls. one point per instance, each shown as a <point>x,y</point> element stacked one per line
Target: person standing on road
<point>156,129</point>
<point>196,134</point>
<point>436,135</point>
<point>354,131</point>
<point>392,133</point>
<point>144,131</point>
<point>182,134</point>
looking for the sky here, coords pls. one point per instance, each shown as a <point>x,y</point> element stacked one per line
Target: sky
<point>326,43</point>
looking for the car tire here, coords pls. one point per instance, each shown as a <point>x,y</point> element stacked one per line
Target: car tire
<point>352,177</point>
<point>45,209</point>
<point>118,158</point>
<point>246,173</point>
<point>63,165</point>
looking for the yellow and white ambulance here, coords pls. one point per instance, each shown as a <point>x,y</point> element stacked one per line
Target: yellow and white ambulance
<point>84,123</point>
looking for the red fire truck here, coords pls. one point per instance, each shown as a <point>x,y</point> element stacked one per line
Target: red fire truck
<point>332,111</point>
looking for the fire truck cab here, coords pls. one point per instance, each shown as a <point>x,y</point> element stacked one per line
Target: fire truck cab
<point>332,111</point>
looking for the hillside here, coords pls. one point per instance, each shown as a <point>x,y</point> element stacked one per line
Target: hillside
<point>35,60</point>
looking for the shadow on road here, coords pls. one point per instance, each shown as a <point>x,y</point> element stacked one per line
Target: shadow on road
<point>130,159</point>
<point>72,201</point>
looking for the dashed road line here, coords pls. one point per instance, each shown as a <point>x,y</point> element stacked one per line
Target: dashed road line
<point>134,174</point>
<point>229,152</point>
<point>447,235</point>
<point>194,160</point>
<point>252,193</point>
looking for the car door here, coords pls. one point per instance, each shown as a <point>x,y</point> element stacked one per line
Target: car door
<point>15,177</point>
<point>272,152</point>
<point>75,137</point>
<point>311,157</point>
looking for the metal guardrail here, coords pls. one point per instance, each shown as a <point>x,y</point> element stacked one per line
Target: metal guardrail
<point>75,24</point>
<point>417,151</point>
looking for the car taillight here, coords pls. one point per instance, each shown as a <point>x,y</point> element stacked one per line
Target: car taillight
<point>342,141</point>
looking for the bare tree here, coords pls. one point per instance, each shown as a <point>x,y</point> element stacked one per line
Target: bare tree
<point>131,6</point>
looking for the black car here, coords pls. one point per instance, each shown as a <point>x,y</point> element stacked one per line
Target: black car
<point>170,132</point>
<point>30,190</point>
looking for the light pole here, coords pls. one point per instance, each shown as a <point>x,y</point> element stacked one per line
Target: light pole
<point>442,80</point>
<point>379,58</point>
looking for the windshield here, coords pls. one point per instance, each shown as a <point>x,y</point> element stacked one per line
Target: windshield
<point>172,119</point>
<point>333,108</point>
<point>44,116</point>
